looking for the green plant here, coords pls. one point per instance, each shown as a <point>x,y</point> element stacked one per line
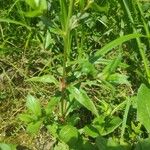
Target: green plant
<point>78,63</point>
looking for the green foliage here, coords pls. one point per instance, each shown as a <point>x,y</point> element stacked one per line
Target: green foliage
<point>69,135</point>
<point>33,105</point>
<point>143,106</point>
<point>44,79</point>
<point>38,7</point>
<point>4,146</point>
<point>82,97</point>
<point>80,66</point>
<point>115,43</point>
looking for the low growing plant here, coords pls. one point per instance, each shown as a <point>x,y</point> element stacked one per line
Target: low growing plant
<point>85,111</point>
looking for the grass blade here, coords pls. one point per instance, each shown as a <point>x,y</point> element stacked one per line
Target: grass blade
<point>14,22</point>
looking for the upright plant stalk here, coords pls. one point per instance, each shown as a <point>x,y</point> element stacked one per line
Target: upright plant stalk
<point>141,50</point>
<point>67,43</point>
<point>144,22</point>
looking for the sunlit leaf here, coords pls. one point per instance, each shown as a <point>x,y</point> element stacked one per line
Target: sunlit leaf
<point>38,7</point>
<point>69,135</point>
<point>91,131</point>
<point>26,118</point>
<point>81,96</point>
<point>143,106</point>
<point>34,127</point>
<point>118,79</point>
<point>101,52</point>
<point>4,146</point>
<point>52,129</point>
<point>33,105</point>
<point>44,79</point>
<point>32,3</point>
<point>51,105</point>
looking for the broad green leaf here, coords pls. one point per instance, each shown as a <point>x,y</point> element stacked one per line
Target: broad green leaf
<point>81,96</point>
<point>44,79</point>
<point>33,105</point>
<point>143,106</point>
<point>26,118</point>
<point>4,146</point>
<point>34,127</point>
<point>101,52</point>
<point>69,135</point>
<point>43,5</point>
<point>14,22</point>
<point>37,4</point>
<point>51,105</point>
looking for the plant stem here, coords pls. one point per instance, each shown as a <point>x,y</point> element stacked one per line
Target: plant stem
<point>67,45</point>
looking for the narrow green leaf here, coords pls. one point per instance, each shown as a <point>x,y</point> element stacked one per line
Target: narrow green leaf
<point>7,20</point>
<point>143,106</point>
<point>82,98</point>
<point>44,79</point>
<point>33,105</point>
<point>114,43</point>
